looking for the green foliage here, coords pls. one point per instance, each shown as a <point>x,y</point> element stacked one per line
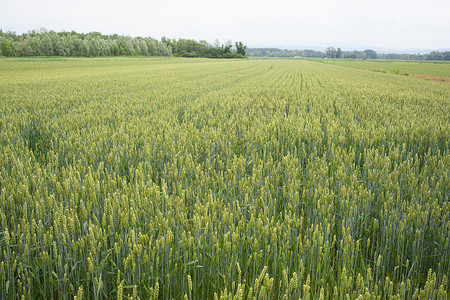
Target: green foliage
<point>331,52</point>
<point>192,48</point>
<point>240,48</point>
<point>5,47</point>
<point>192,178</point>
<point>370,54</point>
<point>275,52</point>
<point>94,44</point>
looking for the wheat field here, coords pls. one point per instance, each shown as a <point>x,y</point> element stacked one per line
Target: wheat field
<point>134,178</point>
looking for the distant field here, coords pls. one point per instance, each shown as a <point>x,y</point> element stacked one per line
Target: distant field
<point>231,179</point>
<point>439,69</point>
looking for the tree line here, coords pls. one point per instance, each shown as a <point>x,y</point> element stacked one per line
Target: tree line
<point>434,55</point>
<point>50,43</point>
<point>331,52</point>
<point>275,52</point>
<point>192,48</point>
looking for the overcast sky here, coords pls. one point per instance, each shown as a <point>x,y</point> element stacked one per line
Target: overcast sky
<point>349,24</point>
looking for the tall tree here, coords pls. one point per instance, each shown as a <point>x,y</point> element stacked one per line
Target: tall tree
<point>330,52</point>
<point>46,46</point>
<point>370,54</point>
<point>5,47</point>
<point>24,48</point>
<point>240,48</point>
